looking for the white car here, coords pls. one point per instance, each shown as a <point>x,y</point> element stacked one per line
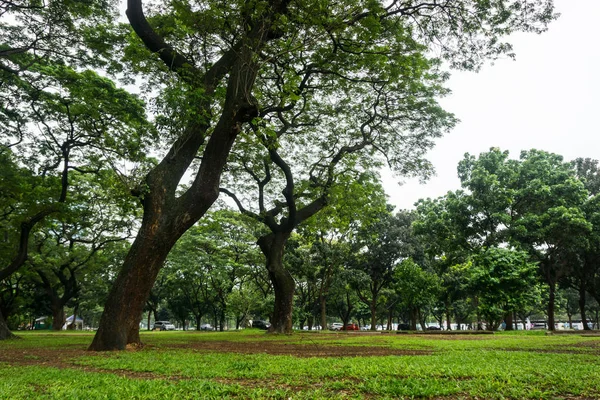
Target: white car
<point>336,326</point>
<point>164,326</point>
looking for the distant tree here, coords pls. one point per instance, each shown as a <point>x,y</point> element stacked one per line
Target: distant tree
<point>417,288</point>
<point>501,280</point>
<point>551,224</point>
<point>376,250</point>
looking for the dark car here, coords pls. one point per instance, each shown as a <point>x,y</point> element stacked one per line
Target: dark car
<point>261,324</point>
<point>404,327</point>
<point>434,328</point>
<point>351,327</point>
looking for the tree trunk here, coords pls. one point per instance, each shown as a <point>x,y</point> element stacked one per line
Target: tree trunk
<point>422,321</point>
<point>413,318</point>
<point>273,246</point>
<point>58,317</point>
<point>5,333</point>
<point>508,320</point>
<point>119,324</point>
<point>198,317</point>
<point>323,310</point>
<point>551,300</point>
<point>222,321</point>
<point>149,315</point>
<point>373,309</point>
<point>448,317</point>
<point>73,324</point>
<point>582,307</point>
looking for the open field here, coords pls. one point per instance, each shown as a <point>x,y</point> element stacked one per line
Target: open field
<point>251,364</point>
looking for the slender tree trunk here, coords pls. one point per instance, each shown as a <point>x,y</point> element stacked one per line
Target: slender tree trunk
<point>551,301</point>
<point>198,317</point>
<point>582,306</point>
<point>448,317</point>
<point>373,309</point>
<point>389,320</point>
<point>149,314</point>
<point>273,246</point>
<point>323,310</point>
<point>421,319</point>
<point>73,324</point>
<point>5,333</point>
<point>477,315</point>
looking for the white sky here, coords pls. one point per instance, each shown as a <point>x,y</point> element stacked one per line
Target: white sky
<point>547,99</point>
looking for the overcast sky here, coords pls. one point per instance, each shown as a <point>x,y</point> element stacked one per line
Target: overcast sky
<point>547,99</point>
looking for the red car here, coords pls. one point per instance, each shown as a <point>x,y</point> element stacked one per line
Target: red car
<point>351,327</point>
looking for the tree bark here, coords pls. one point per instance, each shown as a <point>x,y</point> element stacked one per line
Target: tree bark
<point>413,318</point>
<point>582,307</point>
<point>448,317</point>
<point>58,317</point>
<point>5,333</point>
<point>373,310</point>
<point>119,324</point>
<point>272,246</point>
<point>508,320</point>
<point>73,324</point>
<point>551,301</point>
<point>323,310</point>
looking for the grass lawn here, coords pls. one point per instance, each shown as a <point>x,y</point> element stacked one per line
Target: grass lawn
<point>251,364</point>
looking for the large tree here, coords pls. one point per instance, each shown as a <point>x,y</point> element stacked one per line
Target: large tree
<point>219,53</point>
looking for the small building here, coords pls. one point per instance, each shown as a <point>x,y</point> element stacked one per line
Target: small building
<point>42,323</point>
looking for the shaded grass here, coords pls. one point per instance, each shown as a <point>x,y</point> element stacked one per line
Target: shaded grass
<point>495,367</point>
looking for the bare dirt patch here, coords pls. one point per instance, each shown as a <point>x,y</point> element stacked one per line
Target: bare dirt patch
<point>64,359</point>
<point>299,350</point>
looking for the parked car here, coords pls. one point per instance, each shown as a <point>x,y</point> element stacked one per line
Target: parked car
<point>164,326</point>
<point>206,327</point>
<point>336,326</point>
<point>261,324</point>
<point>434,328</point>
<point>351,327</point>
<point>404,327</point>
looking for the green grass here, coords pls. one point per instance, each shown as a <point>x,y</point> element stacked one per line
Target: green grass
<point>189,366</point>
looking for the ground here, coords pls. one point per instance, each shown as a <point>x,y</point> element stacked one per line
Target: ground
<point>252,364</point>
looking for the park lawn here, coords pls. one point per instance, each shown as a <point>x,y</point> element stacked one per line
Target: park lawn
<point>251,364</point>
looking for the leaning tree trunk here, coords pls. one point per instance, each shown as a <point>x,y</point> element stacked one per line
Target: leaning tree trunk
<point>5,333</point>
<point>119,324</point>
<point>166,215</point>
<point>273,246</point>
